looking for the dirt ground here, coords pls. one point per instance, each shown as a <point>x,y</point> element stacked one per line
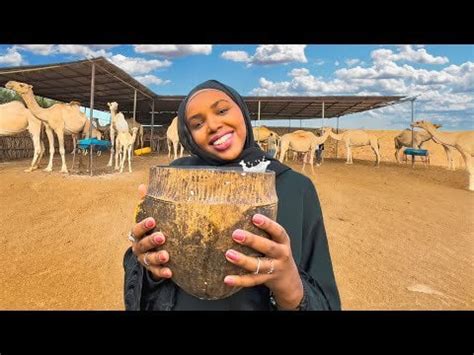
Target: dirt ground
<point>400,237</point>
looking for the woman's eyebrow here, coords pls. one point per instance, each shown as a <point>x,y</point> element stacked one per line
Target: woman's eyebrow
<point>217,102</point>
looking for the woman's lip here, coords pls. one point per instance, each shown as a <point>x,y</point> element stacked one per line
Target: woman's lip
<point>224,146</point>
<point>215,138</point>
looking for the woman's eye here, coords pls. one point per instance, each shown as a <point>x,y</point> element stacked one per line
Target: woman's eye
<point>198,124</point>
<point>223,110</point>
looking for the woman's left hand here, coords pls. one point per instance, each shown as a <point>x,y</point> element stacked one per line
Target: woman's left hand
<point>277,269</point>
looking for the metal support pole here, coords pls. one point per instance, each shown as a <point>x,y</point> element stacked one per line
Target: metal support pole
<point>134,106</point>
<point>91,115</point>
<point>152,123</point>
<point>337,132</point>
<point>412,133</point>
<point>322,122</point>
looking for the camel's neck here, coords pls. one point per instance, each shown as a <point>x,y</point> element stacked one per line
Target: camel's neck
<point>440,137</point>
<point>335,136</point>
<point>36,109</point>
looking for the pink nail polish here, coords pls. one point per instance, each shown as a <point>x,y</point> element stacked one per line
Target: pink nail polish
<point>258,219</point>
<point>149,223</point>
<point>228,280</point>
<point>232,255</point>
<point>238,235</point>
<point>159,239</point>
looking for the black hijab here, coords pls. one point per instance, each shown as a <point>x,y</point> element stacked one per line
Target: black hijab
<point>251,152</point>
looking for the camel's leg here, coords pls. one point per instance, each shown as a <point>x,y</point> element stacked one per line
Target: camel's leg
<point>375,148</point>
<point>397,155</point>
<point>182,149</point>
<point>470,169</point>
<point>283,153</point>
<point>129,160</point>
<point>311,157</point>
<point>141,138</point>
<point>169,148</point>
<point>117,154</point>
<point>112,147</point>
<point>74,143</point>
<point>62,151</point>
<point>349,154</point>
<point>36,152</point>
<point>175,150</point>
<point>43,149</point>
<point>50,134</point>
<point>449,156</point>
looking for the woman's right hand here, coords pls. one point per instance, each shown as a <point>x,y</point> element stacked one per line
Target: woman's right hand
<point>144,248</point>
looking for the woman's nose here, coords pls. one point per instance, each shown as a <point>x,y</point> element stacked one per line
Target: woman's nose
<point>214,123</point>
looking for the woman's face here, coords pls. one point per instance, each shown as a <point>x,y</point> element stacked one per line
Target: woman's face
<point>216,124</point>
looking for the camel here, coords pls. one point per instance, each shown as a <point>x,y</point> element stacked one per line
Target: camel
<point>404,139</point>
<point>104,130</point>
<point>357,138</point>
<point>61,118</point>
<point>302,141</point>
<point>118,125</point>
<point>261,134</point>
<point>85,132</point>
<point>16,118</point>
<point>173,138</point>
<point>463,142</point>
<point>131,125</point>
<point>124,145</point>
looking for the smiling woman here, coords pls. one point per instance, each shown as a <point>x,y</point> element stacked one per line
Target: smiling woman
<point>295,271</point>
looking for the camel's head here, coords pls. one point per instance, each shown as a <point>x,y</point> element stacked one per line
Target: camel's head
<point>75,103</point>
<point>425,125</point>
<point>113,106</point>
<point>324,130</point>
<point>20,88</point>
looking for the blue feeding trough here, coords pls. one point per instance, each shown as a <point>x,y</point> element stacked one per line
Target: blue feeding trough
<point>95,143</point>
<point>413,151</point>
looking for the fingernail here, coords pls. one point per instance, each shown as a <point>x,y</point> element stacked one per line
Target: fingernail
<point>229,280</point>
<point>166,273</point>
<point>238,235</point>
<point>159,239</point>
<point>162,257</point>
<point>258,219</point>
<point>149,223</point>
<point>232,255</point>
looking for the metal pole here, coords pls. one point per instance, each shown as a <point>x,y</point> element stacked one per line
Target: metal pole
<point>152,123</point>
<point>259,110</point>
<point>412,134</point>
<point>91,115</point>
<point>322,122</point>
<point>258,120</point>
<point>134,106</point>
<point>337,132</point>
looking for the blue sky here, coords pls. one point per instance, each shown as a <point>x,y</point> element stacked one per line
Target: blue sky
<point>442,74</point>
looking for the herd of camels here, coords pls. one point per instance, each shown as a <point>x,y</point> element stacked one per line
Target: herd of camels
<point>66,118</point>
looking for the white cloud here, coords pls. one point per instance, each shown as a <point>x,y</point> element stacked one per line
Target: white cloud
<point>407,53</point>
<point>150,79</point>
<point>319,62</point>
<point>352,61</point>
<point>173,50</point>
<point>236,56</point>
<point>269,54</point>
<point>446,92</point>
<point>11,58</point>
<point>138,66</point>
<point>42,49</point>
<point>336,63</point>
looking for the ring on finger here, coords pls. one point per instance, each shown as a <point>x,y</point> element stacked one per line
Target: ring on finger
<point>145,261</point>
<point>258,266</point>
<point>131,237</point>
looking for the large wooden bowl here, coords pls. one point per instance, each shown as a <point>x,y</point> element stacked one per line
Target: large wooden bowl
<point>197,209</point>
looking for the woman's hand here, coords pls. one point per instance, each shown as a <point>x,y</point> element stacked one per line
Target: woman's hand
<point>277,270</point>
<point>144,247</point>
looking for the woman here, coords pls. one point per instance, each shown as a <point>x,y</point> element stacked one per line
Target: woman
<point>296,273</point>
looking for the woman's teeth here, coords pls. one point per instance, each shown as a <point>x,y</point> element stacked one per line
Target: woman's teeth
<point>222,139</point>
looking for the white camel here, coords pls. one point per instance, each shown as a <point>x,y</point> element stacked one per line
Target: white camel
<point>404,139</point>
<point>132,124</point>
<point>118,125</point>
<point>16,118</point>
<point>303,142</point>
<point>357,138</point>
<point>61,118</point>
<point>124,145</point>
<point>462,141</point>
<point>172,138</point>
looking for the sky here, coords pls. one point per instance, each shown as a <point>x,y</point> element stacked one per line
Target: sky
<point>442,75</point>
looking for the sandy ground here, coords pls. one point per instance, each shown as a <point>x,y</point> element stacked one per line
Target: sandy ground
<point>400,237</point>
